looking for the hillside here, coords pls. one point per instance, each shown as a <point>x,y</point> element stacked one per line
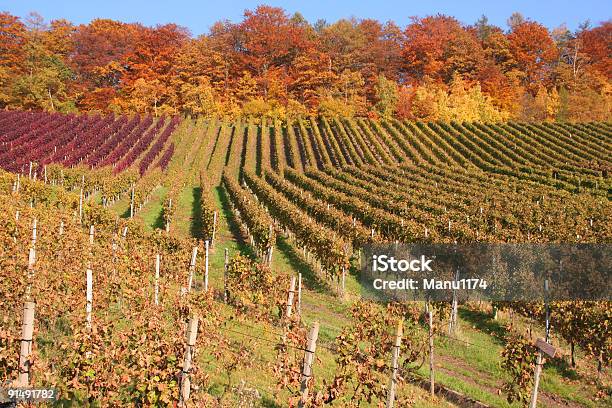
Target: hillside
<point>292,204</point>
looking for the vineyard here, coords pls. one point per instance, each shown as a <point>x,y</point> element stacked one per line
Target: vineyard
<point>91,141</point>
<point>198,262</point>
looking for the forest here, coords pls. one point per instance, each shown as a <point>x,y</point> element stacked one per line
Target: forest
<point>276,65</point>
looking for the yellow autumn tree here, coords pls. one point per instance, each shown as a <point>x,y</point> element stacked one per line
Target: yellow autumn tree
<point>146,96</point>
<point>461,102</point>
<point>544,106</point>
<point>429,101</point>
<point>200,98</point>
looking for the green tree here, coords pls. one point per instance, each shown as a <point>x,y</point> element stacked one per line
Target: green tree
<point>387,96</point>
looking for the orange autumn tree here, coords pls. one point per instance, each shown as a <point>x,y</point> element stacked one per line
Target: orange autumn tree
<point>13,38</point>
<point>534,52</point>
<point>270,40</point>
<point>148,80</point>
<point>439,47</point>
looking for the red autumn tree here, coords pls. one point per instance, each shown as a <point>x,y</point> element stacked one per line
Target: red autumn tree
<point>99,48</point>
<point>596,44</point>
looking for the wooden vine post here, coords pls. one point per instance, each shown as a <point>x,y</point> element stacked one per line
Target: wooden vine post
<point>309,355</point>
<point>206,248</point>
<point>543,348</point>
<point>343,282</point>
<point>536,380</point>
<point>169,209</point>
<point>271,247</point>
<point>395,363</point>
<point>290,297</point>
<point>192,266</point>
<point>225,276</point>
<point>16,226</point>
<point>89,297</point>
<point>214,231</point>
<point>192,334</point>
<point>299,295</point>
<point>452,322</point>
<point>132,202</point>
<point>27,331</point>
<point>31,262</point>
<point>157,260</point>
<point>81,206</point>
<point>34,232</point>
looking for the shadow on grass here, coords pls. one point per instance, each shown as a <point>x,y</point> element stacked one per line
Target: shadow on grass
<point>310,279</point>
<point>195,228</point>
<point>217,136</point>
<point>126,213</point>
<point>269,403</point>
<point>233,226</point>
<point>563,368</point>
<point>245,135</point>
<point>233,139</point>
<point>258,154</point>
<point>159,220</point>
<point>485,323</point>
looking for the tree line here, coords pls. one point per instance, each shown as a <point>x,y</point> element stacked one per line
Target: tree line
<point>279,65</point>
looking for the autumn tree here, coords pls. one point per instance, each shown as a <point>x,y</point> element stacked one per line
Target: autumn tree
<point>40,80</point>
<point>268,38</point>
<point>460,102</point>
<point>596,46</point>
<point>275,64</point>
<point>13,38</point>
<point>515,20</point>
<point>534,53</point>
<point>364,46</point>
<point>387,96</point>
<point>310,72</point>
<point>150,69</point>
<point>439,47</point>
<point>498,76</point>
<point>99,49</point>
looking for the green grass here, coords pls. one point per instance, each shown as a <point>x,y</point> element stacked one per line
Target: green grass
<point>151,213</point>
<point>476,360</point>
<point>121,207</point>
<point>184,219</point>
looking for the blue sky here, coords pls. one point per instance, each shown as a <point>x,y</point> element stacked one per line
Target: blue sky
<point>199,15</point>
